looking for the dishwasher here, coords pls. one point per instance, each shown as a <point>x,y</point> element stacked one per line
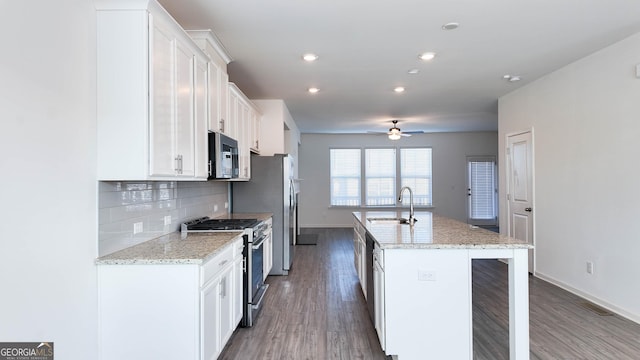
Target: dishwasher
<point>369,268</point>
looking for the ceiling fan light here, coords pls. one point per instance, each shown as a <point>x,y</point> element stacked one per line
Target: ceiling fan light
<point>309,57</point>
<point>394,136</point>
<point>427,56</point>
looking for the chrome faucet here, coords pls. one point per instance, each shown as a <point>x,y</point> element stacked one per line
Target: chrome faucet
<point>412,218</point>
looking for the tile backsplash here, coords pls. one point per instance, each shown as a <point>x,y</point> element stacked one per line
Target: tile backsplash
<point>123,204</point>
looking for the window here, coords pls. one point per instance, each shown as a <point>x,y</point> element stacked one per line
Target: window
<point>380,177</point>
<point>370,177</point>
<point>415,172</point>
<point>345,177</point>
<point>482,189</point>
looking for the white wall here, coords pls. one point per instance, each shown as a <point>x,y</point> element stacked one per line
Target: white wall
<point>586,121</point>
<point>450,151</point>
<point>48,234</point>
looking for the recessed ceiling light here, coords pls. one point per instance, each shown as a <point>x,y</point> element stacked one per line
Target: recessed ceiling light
<point>310,57</point>
<point>313,90</point>
<point>427,56</point>
<point>399,89</point>
<point>413,71</point>
<point>450,26</point>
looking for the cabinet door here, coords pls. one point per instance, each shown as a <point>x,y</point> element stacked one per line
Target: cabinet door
<point>215,114</point>
<point>223,87</point>
<point>378,295</point>
<point>201,117</point>
<point>255,130</point>
<point>210,326</point>
<point>238,307</point>
<point>226,306</point>
<point>184,119</point>
<point>243,139</point>
<point>267,256</point>
<point>161,150</point>
<point>230,123</point>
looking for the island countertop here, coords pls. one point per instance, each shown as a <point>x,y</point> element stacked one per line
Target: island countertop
<point>432,231</point>
<point>196,248</point>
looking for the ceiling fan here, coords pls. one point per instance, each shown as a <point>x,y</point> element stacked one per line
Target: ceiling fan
<point>395,133</point>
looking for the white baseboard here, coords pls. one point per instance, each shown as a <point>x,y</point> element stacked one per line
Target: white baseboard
<point>619,311</point>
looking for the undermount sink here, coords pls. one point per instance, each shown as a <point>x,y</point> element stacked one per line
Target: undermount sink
<point>388,220</point>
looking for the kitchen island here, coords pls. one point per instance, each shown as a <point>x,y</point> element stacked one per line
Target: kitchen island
<point>421,280</point>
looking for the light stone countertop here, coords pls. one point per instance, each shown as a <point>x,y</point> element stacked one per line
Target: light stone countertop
<point>196,248</point>
<point>432,231</point>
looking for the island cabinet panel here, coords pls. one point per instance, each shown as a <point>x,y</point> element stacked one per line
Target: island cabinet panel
<point>427,293</point>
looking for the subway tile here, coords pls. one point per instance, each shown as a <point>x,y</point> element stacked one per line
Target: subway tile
<point>121,204</point>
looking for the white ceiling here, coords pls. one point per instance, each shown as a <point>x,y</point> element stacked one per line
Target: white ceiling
<point>366,48</point>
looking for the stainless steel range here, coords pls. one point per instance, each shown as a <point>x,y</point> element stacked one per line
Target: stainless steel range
<point>255,233</point>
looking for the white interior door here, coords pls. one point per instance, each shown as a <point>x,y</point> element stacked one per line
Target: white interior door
<point>519,155</point>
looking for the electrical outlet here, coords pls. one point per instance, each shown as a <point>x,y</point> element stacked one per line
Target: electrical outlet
<point>426,275</point>
<point>589,267</point>
<point>137,228</point>
<point>215,207</point>
<point>167,220</point>
<point>226,204</point>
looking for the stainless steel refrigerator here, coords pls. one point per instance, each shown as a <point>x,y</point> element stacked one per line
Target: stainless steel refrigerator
<point>271,189</point>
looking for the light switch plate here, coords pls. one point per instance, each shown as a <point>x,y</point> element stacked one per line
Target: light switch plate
<point>427,275</point>
<point>167,220</point>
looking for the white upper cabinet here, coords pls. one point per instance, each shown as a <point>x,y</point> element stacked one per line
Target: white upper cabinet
<point>256,122</point>
<point>241,112</point>
<point>279,133</point>
<point>218,80</point>
<point>152,91</point>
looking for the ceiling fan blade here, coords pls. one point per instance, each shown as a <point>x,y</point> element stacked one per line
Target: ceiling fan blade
<point>377,132</point>
<point>405,134</point>
<point>413,132</point>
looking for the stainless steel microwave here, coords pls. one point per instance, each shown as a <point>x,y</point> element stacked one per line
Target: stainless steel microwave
<point>223,157</point>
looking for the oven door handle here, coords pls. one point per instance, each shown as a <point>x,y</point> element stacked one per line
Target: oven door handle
<point>257,245</point>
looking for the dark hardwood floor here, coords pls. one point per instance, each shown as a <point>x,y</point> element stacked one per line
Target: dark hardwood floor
<point>318,312</point>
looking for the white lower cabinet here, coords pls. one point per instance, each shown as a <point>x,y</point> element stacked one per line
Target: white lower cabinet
<point>267,251</point>
<point>170,311</point>
<point>360,253</point>
<point>378,294</point>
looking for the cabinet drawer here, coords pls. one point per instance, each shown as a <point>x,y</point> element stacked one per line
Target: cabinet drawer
<point>216,264</point>
<point>237,246</point>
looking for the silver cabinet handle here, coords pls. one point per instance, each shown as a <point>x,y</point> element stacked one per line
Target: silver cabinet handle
<point>223,287</point>
<point>178,160</point>
<point>210,169</point>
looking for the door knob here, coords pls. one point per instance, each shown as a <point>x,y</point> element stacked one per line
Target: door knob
<point>527,209</point>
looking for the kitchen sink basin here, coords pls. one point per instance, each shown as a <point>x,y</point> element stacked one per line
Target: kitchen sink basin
<point>387,220</point>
